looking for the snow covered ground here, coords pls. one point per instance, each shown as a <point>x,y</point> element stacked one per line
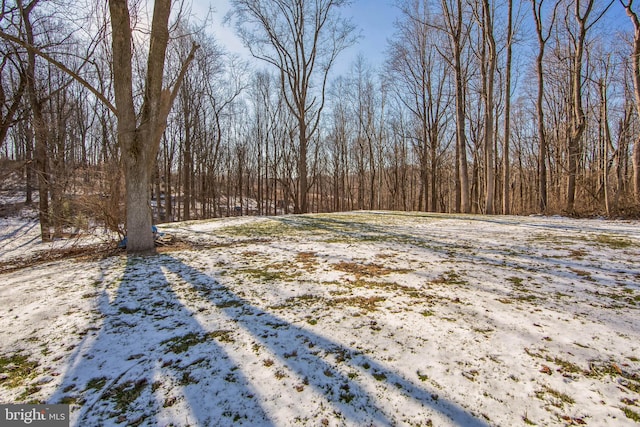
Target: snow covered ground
<point>364,318</point>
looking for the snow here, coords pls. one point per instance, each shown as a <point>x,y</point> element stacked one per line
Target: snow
<point>360,318</point>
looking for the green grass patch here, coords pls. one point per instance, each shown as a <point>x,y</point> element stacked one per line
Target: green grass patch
<point>631,414</point>
<point>96,383</point>
<point>183,343</point>
<point>366,304</point>
<point>558,399</point>
<point>269,275</point>
<point>379,376</point>
<point>126,393</point>
<point>230,304</point>
<point>613,242</point>
<point>16,370</point>
<point>265,228</point>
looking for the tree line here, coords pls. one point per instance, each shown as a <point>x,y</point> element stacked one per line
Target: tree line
<point>127,113</point>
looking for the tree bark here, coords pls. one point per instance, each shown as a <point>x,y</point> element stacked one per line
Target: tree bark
<point>635,59</point>
<point>140,142</point>
<point>542,141</point>
<point>506,177</point>
<point>39,125</point>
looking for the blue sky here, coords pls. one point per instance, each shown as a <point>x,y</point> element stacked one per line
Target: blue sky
<point>374,19</point>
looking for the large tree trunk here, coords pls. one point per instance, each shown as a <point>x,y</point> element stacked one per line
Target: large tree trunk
<point>140,143</point>
<point>139,218</point>
<point>635,57</point>
<point>506,177</point>
<point>454,24</point>
<point>542,142</point>
<point>39,127</point>
<point>461,139</point>
<point>636,170</point>
<point>489,107</point>
<point>301,202</point>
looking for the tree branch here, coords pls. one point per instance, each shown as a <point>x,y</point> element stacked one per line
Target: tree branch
<point>61,66</point>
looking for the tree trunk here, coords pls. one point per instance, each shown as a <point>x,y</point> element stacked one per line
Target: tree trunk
<point>39,127</point>
<point>635,59</point>
<point>140,143</point>
<point>542,141</point>
<point>489,107</point>
<point>506,177</point>
<point>301,202</point>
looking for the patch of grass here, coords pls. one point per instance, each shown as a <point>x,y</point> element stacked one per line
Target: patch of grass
<point>581,273</point>
<point>450,277</point>
<point>527,421</point>
<point>613,242</point>
<point>16,370</point>
<point>427,313</point>
<point>366,304</point>
<point>307,259</point>
<point>126,393</point>
<point>96,383</point>
<point>292,354</point>
<point>221,335</point>
<point>253,229</point>
<point>306,300</point>
<point>68,400</point>
<point>366,270</point>
<point>379,376</point>
<point>230,304</point>
<point>526,298</point>
<point>517,281</point>
<point>269,275</point>
<point>565,366</point>
<point>577,254</point>
<point>422,377</point>
<point>127,310</point>
<point>181,344</point>
<point>631,414</point>
<point>32,389</point>
<point>345,393</point>
<point>559,398</point>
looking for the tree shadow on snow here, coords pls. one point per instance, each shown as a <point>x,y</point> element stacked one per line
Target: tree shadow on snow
<point>150,358</point>
<point>355,404</point>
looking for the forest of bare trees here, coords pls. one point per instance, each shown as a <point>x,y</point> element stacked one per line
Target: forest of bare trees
<point>123,113</point>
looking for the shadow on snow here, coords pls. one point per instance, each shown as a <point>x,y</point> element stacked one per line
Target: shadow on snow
<point>118,371</point>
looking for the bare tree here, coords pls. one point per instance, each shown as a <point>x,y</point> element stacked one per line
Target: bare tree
<point>13,84</point>
<point>578,118</point>
<point>635,57</point>
<point>506,177</point>
<point>543,37</point>
<point>489,71</point>
<point>419,77</point>
<point>302,40</point>
<point>455,28</point>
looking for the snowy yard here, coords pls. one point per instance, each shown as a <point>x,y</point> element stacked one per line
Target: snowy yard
<point>367,318</point>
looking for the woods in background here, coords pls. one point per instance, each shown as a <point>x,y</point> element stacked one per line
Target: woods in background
<point>482,106</point>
